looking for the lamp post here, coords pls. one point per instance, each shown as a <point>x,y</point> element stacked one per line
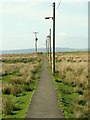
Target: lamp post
<point>49,46</point>
<point>36,39</point>
<point>46,46</point>
<point>53,56</point>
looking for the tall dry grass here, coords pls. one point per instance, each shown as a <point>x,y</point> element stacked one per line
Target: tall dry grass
<point>12,58</point>
<point>72,69</point>
<point>73,72</point>
<point>17,71</point>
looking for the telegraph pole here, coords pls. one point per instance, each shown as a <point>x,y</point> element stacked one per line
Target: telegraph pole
<point>50,45</point>
<point>53,52</point>
<point>36,39</point>
<point>46,46</point>
<point>53,38</point>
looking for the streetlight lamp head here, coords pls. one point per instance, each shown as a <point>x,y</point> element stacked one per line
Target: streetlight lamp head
<point>48,17</point>
<point>48,36</point>
<point>36,39</point>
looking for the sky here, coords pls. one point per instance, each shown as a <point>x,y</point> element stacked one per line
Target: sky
<point>20,18</point>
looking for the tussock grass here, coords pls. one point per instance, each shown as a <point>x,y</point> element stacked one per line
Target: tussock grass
<point>7,88</point>
<point>72,57</point>
<point>25,58</point>
<point>72,83</point>
<point>20,73</point>
<point>73,72</point>
<point>8,105</point>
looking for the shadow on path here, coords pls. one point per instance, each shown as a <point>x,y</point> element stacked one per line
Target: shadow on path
<point>44,102</point>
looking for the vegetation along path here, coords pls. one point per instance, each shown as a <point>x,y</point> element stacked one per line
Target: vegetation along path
<point>44,103</point>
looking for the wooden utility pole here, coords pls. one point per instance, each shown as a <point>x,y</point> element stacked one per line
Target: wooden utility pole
<point>46,45</point>
<point>50,47</point>
<point>53,67</point>
<point>53,52</point>
<point>36,39</point>
<point>47,39</point>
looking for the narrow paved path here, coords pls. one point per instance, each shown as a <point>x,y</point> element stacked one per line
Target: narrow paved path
<point>44,103</point>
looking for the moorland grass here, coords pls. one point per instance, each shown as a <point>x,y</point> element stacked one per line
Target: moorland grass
<point>71,81</point>
<point>19,84</point>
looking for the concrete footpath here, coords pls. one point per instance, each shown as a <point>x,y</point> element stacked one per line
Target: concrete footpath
<point>44,102</point>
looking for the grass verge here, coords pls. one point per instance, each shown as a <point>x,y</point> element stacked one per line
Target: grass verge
<point>71,102</point>
<point>15,104</point>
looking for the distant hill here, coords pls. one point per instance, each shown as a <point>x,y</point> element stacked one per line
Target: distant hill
<point>69,49</point>
<point>19,51</point>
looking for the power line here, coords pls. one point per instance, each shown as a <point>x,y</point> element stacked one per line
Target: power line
<point>59,4</point>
